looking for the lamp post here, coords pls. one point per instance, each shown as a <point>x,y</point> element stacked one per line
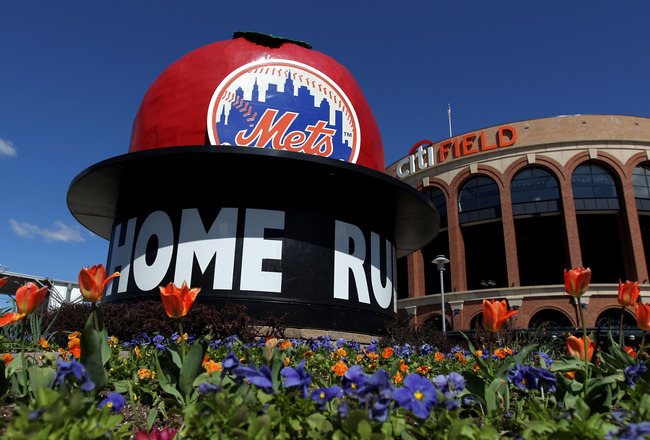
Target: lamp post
<point>440,261</point>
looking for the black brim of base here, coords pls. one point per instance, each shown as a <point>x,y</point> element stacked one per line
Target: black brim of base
<point>247,176</point>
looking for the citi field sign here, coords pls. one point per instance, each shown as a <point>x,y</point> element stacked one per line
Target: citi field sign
<point>255,172</point>
<point>426,154</point>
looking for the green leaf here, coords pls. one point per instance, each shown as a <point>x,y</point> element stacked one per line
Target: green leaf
<point>163,380</point>
<point>40,377</point>
<point>151,418</point>
<point>91,355</point>
<point>191,367</point>
<point>103,333</point>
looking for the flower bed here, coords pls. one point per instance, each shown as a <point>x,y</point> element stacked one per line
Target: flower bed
<point>201,387</point>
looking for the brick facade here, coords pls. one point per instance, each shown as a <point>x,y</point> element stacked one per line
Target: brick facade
<point>617,144</point>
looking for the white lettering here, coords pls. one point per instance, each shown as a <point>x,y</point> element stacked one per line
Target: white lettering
<point>148,277</point>
<point>400,168</point>
<point>383,293</point>
<point>194,241</point>
<point>419,153</point>
<point>121,256</point>
<point>256,249</point>
<point>349,256</point>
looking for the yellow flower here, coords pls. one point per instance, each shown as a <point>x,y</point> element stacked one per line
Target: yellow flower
<point>137,352</point>
<point>145,373</point>
<point>113,342</point>
<point>339,354</point>
<point>374,366</point>
<point>372,355</point>
<point>308,354</point>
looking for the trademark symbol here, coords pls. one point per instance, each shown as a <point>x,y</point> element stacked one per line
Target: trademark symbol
<point>347,134</point>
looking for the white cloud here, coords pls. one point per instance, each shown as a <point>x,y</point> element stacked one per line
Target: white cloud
<point>7,149</point>
<point>59,232</point>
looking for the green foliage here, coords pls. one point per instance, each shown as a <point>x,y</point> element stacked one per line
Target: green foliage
<point>71,415</point>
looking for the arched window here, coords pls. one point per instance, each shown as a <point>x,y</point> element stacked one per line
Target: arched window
<point>438,198</point>
<point>599,224</point>
<point>594,188</point>
<point>549,318</point>
<point>641,185</point>
<point>478,200</point>
<point>540,239</point>
<point>534,190</point>
<point>612,318</point>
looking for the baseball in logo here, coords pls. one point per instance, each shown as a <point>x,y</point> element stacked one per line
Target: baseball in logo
<point>284,105</point>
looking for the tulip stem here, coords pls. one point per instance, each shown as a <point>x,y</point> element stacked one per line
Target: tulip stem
<point>490,360</point>
<point>586,341</point>
<point>642,343</point>
<point>95,320</point>
<point>180,332</point>
<point>22,356</point>
<point>620,327</point>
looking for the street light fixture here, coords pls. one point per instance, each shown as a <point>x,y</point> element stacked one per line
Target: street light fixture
<point>440,261</point>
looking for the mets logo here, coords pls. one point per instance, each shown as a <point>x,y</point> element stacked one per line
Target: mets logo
<point>284,105</point>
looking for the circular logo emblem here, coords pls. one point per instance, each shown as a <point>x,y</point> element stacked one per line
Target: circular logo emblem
<point>284,105</point>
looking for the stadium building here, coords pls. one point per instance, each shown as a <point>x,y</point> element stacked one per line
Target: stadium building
<point>521,202</point>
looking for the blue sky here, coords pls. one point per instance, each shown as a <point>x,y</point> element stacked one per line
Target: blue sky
<point>73,74</point>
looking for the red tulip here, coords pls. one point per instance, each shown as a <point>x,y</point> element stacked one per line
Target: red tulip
<point>495,313</point>
<point>628,293</point>
<point>177,301</point>
<point>576,347</point>
<point>643,316</point>
<point>93,281</point>
<point>28,298</point>
<point>3,281</point>
<point>576,281</point>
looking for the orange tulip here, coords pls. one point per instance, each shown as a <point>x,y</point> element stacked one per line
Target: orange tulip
<point>177,301</point>
<point>93,281</point>
<point>576,347</point>
<point>576,281</point>
<point>628,293</point>
<point>28,298</point>
<point>495,313</point>
<point>3,281</point>
<point>643,316</point>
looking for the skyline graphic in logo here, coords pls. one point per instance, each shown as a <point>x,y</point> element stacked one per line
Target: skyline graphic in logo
<point>284,105</point>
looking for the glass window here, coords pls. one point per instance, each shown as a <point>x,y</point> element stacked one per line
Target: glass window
<point>438,198</point>
<point>594,188</point>
<point>478,200</point>
<point>641,185</point>
<point>531,191</point>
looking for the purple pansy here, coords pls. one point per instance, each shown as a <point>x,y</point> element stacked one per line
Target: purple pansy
<point>418,395</point>
<point>297,377</point>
